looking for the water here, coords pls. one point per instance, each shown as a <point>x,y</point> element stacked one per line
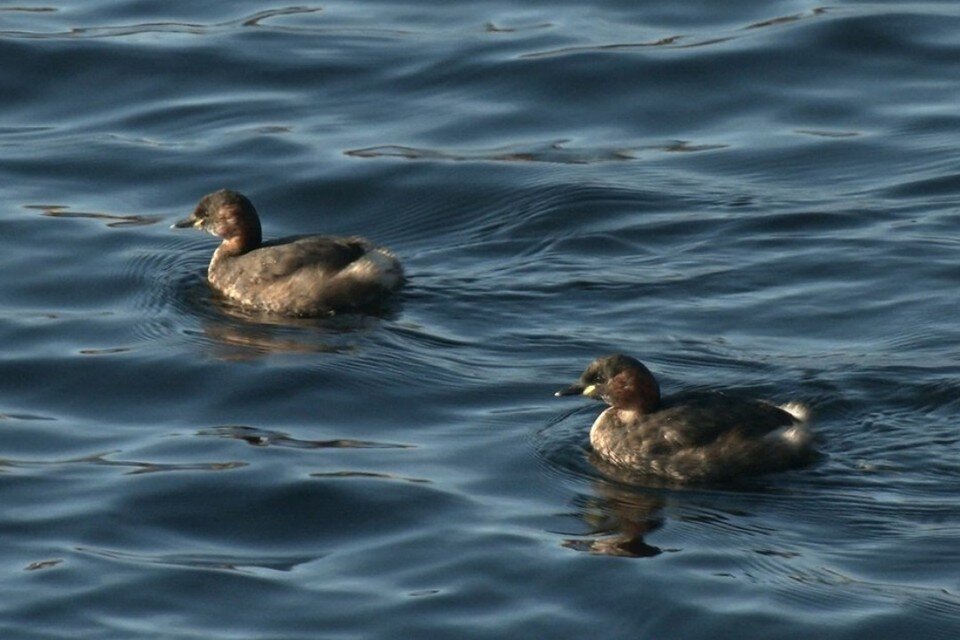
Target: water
<point>758,195</point>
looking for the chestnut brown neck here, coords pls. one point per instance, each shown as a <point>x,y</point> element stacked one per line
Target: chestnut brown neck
<point>634,389</point>
<point>239,228</point>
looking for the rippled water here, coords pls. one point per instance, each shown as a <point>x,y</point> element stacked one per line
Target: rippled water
<point>755,195</point>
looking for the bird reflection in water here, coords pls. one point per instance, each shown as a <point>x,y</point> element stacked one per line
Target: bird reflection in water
<point>620,516</point>
<point>237,334</point>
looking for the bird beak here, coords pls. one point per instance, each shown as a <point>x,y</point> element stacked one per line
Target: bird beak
<point>186,223</point>
<point>577,390</point>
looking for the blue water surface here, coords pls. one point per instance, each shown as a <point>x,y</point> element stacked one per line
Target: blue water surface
<point>759,196</point>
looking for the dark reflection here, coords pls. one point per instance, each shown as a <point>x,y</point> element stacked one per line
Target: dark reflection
<point>28,9</point>
<point>104,352</point>
<point>145,142</point>
<point>557,152</point>
<point>368,474</point>
<point>777,553</point>
<point>820,133</point>
<point>204,561</point>
<point>675,41</point>
<point>625,507</point>
<point>24,416</point>
<point>772,22</point>
<point>266,438</point>
<point>491,27</point>
<point>136,467</point>
<point>237,342</point>
<point>256,20</point>
<point>669,41</point>
<point>552,153</point>
<point>683,146</point>
<point>139,467</point>
<point>619,518</point>
<point>60,211</point>
<point>43,564</point>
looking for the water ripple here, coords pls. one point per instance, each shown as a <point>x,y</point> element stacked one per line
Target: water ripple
<point>137,466</point>
<point>753,196</point>
<point>554,152</point>
<point>60,211</point>
<point>213,561</point>
<point>255,20</point>
<point>266,438</point>
<point>677,41</point>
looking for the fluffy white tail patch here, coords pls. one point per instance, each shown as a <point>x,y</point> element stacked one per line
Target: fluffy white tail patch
<point>798,410</point>
<point>379,266</point>
<point>796,435</point>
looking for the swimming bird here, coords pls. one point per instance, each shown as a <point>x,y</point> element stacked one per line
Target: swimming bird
<point>297,276</point>
<point>691,436</point>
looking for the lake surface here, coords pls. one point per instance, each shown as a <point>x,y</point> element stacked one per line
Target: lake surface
<point>757,196</point>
